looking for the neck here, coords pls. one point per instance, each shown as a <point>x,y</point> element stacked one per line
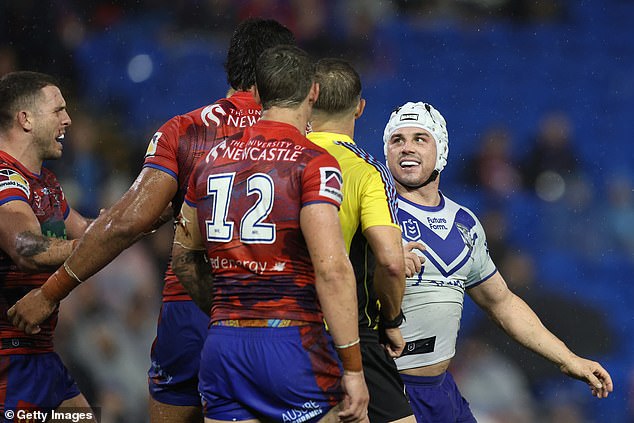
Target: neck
<point>298,117</point>
<point>344,126</point>
<point>428,196</point>
<point>21,149</point>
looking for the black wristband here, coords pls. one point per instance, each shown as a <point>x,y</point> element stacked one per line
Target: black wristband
<point>394,323</point>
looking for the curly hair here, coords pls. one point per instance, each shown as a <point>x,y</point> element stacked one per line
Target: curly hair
<point>250,38</point>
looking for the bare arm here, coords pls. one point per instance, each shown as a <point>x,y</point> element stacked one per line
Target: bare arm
<point>76,224</point>
<point>22,239</point>
<point>389,278</point>
<point>120,225</point>
<point>336,290</point>
<point>521,323</point>
<point>189,260</point>
<point>112,232</point>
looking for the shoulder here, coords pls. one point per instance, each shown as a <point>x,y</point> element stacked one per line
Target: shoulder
<point>462,213</point>
<point>13,179</point>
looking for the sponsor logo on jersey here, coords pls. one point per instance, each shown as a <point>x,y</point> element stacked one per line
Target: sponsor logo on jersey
<point>213,153</point>
<point>331,183</point>
<point>279,266</point>
<point>10,179</point>
<point>212,113</point>
<point>151,148</point>
<point>308,411</point>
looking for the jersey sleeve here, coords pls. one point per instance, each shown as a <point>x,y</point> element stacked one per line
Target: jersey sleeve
<point>322,181</point>
<point>13,186</point>
<point>190,195</point>
<point>483,267</point>
<point>65,205</point>
<point>162,151</point>
<point>378,198</point>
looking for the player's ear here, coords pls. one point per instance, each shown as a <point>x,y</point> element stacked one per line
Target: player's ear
<point>313,94</point>
<point>25,120</point>
<point>360,109</point>
<point>255,93</point>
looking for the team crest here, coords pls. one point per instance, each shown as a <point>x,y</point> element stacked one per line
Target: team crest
<point>411,230</point>
<point>469,240</point>
<point>151,149</point>
<point>10,179</point>
<point>331,183</point>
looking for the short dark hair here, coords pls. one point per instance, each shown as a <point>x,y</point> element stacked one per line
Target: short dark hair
<point>250,38</point>
<point>284,75</point>
<point>339,86</point>
<point>19,90</point>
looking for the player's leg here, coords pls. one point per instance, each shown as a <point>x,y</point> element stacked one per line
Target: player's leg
<point>38,382</point>
<point>167,413</point>
<point>437,398</point>
<point>388,402</point>
<point>175,356</point>
<point>269,374</point>
<point>79,406</point>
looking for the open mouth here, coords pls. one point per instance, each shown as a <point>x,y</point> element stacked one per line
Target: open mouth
<point>60,138</point>
<point>409,163</point>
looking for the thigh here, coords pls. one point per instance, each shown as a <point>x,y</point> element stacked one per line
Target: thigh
<point>37,381</point>
<point>388,401</point>
<point>175,355</point>
<point>167,413</point>
<point>271,374</point>
<point>437,399</point>
<point>76,409</point>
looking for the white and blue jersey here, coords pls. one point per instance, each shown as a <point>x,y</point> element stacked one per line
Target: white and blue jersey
<point>456,258</point>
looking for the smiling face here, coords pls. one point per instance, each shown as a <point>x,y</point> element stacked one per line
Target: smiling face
<point>411,156</point>
<point>50,120</point>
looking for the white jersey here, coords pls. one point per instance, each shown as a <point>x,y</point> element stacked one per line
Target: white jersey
<point>456,258</point>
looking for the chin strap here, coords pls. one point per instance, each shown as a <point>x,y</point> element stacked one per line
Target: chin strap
<point>429,180</point>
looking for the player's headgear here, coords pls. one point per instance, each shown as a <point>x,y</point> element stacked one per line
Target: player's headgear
<point>424,116</point>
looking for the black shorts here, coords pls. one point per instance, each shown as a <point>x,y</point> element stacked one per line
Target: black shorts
<point>388,401</point>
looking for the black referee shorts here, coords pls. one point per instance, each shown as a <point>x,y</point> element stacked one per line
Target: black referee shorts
<point>388,401</point>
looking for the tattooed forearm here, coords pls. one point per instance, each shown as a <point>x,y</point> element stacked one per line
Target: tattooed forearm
<point>194,273</point>
<point>36,252</point>
<point>28,244</point>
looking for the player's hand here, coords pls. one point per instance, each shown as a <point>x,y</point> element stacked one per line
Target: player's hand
<point>30,311</point>
<point>394,342</point>
<point>590,372</point>
<point>413,262</point>
<point>355,398</point>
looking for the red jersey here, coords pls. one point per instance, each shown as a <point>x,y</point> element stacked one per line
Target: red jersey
<point>46,198</point>
<point>248,192</point>
<point>182,140</point>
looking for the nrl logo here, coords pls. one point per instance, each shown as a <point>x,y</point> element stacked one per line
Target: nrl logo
<point>411,230</point>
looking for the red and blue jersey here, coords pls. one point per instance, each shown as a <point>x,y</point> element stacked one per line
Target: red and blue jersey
<point>46,198</point>
<point>180,142</point>
<point>249,191</point>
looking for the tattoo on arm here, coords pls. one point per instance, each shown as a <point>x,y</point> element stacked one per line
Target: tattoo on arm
<point>36,252</point>
<point>194,273</point>
<point>28,244</point>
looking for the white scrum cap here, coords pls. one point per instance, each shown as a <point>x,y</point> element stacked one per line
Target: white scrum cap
<point>424,116</point>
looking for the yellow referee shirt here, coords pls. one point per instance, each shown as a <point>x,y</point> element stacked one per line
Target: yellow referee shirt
<point>369,199</point>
